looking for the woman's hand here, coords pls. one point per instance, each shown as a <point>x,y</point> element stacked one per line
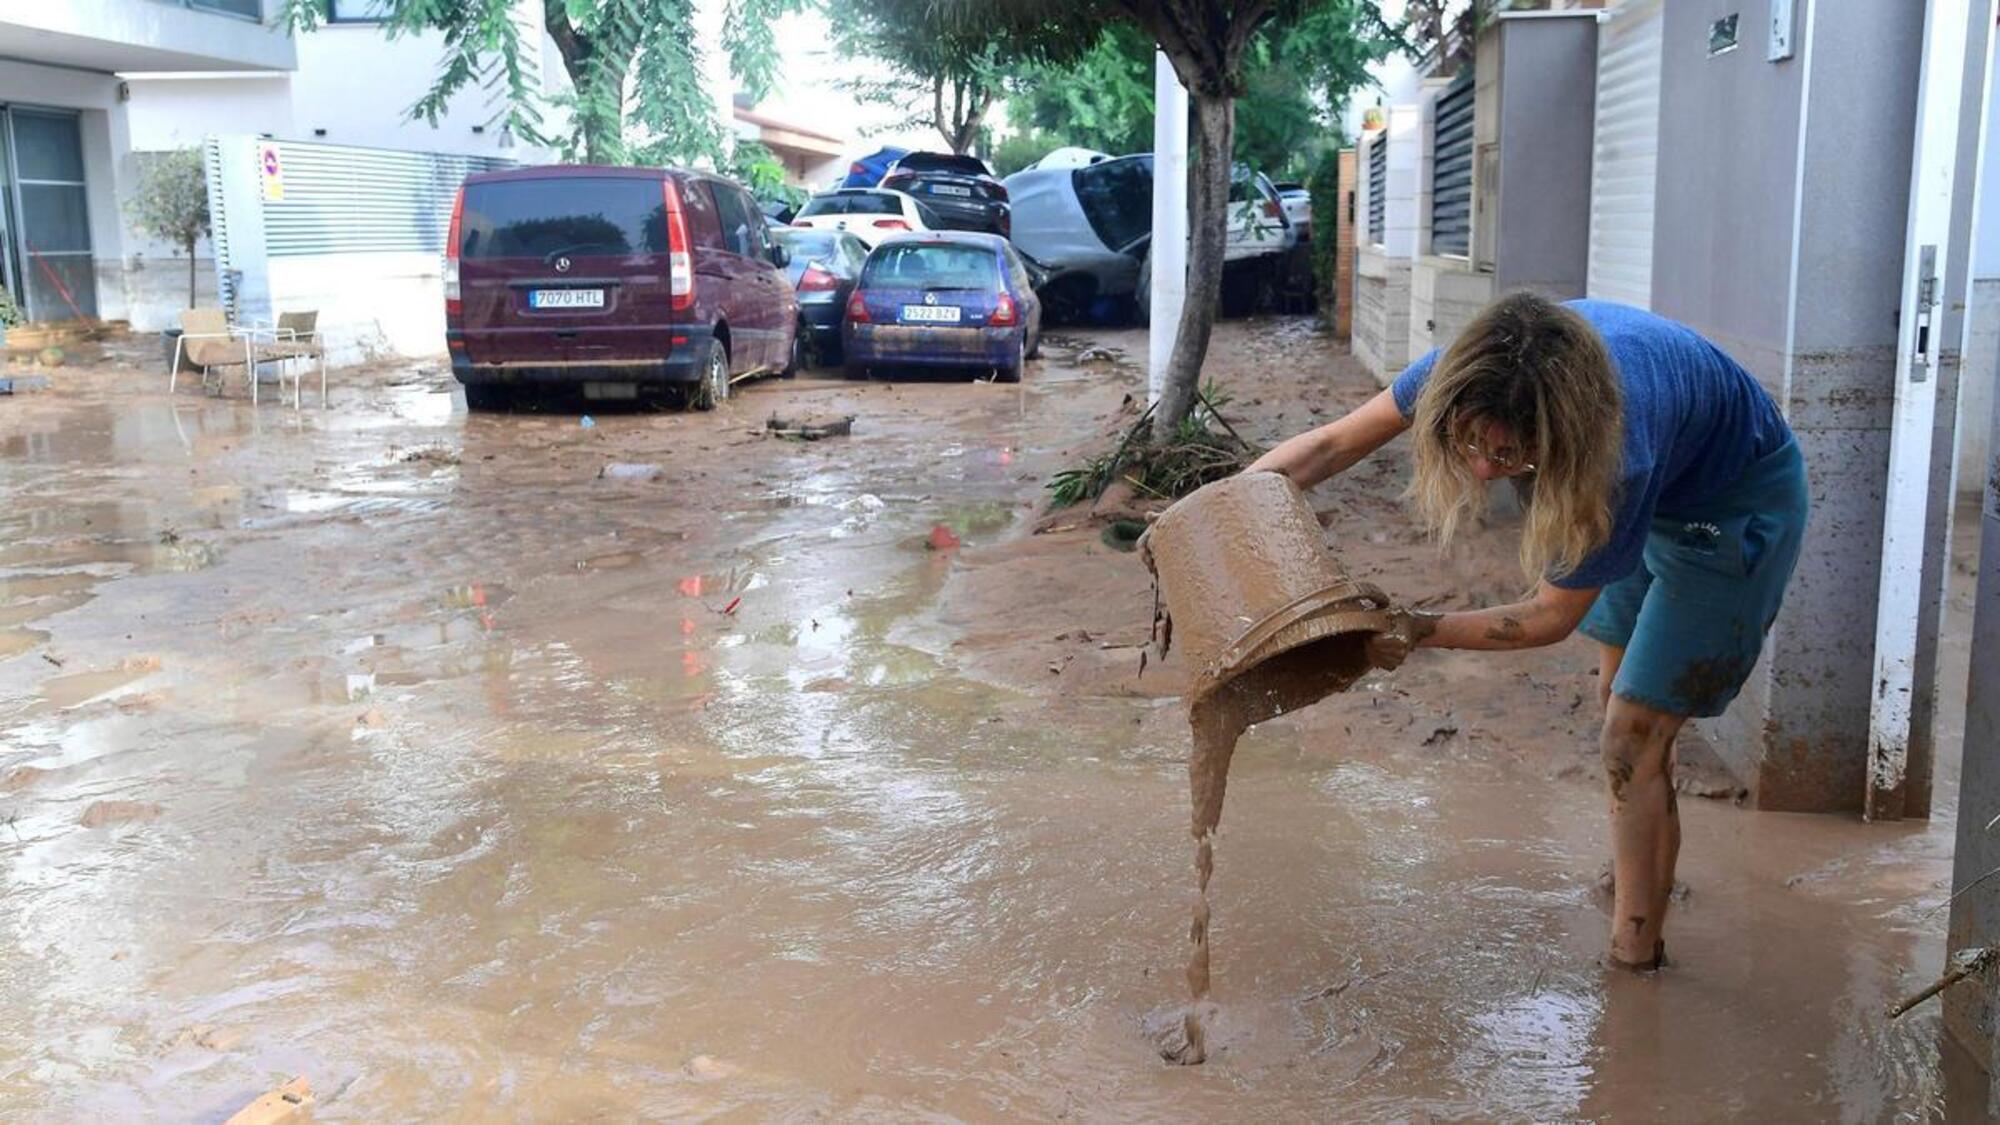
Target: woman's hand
<point>1315,455</point>
<point>1388,649</point>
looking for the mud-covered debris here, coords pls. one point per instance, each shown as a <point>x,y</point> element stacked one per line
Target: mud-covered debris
<point>430,455</point>
<point>289,1102</point>
<point>1097,355</point>
<point>708,1068</point>
<point>1440,735</point>
<point>809,428</point>
<point>627,470</point>
<point>943,538</point>
<point>102,814</point>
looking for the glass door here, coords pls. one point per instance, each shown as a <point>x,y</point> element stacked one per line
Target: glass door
<point>50,221</point>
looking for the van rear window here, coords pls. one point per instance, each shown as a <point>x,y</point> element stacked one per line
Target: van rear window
<point>570,215</point>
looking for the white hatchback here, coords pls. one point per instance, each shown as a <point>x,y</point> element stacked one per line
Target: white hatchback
<point>869,214</point>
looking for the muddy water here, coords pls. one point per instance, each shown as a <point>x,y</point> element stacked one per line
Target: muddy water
<point>592,847</point>
<point>1268,622</point>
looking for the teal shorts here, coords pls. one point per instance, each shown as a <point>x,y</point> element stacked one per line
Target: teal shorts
<point>1692,618</point>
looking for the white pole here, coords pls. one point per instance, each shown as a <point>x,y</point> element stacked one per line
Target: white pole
<point>1925,266</point>
<point>1170,221</point>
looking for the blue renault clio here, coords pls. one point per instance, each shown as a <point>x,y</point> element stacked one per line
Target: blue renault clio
<point>951,299</point>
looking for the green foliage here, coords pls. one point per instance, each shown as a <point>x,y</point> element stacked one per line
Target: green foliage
<point>1324,187</point>
<point>1296,80</point>
<point>1102,99</point>
<point>1020,150</point>
<point>943,74</point>
<point>636,90</point>
<point>11,315</point>
<point>170,202</point>
<point>760,170</point>
<point>1203,448</point>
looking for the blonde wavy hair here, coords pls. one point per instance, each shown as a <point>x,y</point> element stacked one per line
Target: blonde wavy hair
<point>1542,371</point>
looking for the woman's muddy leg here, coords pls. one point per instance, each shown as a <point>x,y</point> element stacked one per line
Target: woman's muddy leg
<point>1637,744</point>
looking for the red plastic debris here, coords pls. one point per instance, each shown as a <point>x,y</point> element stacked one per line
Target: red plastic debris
<point>943,539</point>
<point>733,603</point>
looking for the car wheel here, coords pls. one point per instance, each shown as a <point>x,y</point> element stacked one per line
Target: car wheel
<point>797,362</point>
<point>1035,346</point>
<point>713,390</point>
<point>488,397</point>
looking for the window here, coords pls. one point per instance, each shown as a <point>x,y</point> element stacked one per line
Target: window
<point>563,215</point>
<point>359,11</point>
<point>810,244</point>
<point>931,265</point>
<point>1117,198</point>
<point>737,221</point>
<point>703,225</point>
<point>853,203</point>
<point>248,9</point>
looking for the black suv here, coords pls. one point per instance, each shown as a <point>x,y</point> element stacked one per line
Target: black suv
<point>959,189</point>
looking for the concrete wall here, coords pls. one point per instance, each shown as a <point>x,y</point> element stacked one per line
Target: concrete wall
<point>1759,170</point>
<point>1548,108</point>
<point>370,306</point>
<point>1381,312</point>
<point>1445,294</point>
<point>1382,270</point>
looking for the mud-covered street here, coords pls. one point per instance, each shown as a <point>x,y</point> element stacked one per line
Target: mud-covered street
<point>413,752</point>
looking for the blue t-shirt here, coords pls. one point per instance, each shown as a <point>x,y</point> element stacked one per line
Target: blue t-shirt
<point>1694,420</point>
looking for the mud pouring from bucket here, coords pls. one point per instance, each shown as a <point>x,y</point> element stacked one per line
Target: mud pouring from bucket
<point>1270,622</point>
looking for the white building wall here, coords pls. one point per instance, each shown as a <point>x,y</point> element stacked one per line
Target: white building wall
<point>1980,365</point>
<point>355,86</point>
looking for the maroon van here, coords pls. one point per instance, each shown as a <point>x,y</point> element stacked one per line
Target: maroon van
<point>615,282</point>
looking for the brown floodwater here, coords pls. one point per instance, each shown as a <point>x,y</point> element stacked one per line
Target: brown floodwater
<point>496,789</point>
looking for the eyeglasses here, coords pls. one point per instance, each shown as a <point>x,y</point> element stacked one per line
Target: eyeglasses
<point>1506,460</point>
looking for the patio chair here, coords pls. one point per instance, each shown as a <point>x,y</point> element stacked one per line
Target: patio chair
<point>209,342</point>
<point>297,337</point>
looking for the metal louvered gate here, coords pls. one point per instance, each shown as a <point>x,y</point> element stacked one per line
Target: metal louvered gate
<point>1451,169</point>
<point>342,200</point>
<point>1378,186</point>
<point>1625,156</point>
<point>356,234</point>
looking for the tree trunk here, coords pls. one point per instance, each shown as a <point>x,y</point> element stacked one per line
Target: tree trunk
<point>1215,136</point>
<point>603,134</point>
<point>191,286</point>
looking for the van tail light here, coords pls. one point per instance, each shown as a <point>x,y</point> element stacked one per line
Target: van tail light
<point>1007,224</point>
<point>1005,315</point>
<point>454,305</point>
<point>680,251</point>
<point>897,180</point>
<point>890,224</point>
<point>1272,210</point>
<point>997,191</point>
<point>857,309</point>
<point>855,169</point>
<point>817,280</point>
